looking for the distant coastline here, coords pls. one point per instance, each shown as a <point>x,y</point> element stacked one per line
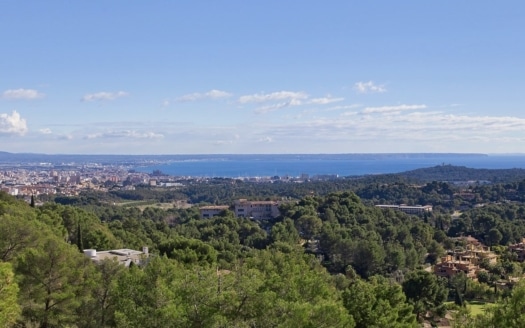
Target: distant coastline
<point>335,165</point>
<point>253,165</point>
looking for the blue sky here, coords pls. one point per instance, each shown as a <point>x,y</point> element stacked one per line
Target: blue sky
<point>198,77</point>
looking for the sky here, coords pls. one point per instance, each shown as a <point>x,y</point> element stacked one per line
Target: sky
<point>262,77</point>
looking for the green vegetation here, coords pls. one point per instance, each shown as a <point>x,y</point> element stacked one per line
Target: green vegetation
<point>331,259</point>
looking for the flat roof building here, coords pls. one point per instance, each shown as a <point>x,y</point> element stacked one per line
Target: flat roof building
<point>418,209</point>
<point>123,256</point>
<point>258,210</point>
<point>211,211</point>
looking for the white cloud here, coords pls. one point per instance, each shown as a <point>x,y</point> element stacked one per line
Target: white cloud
<point>388,109</point>
<point>99,96</point>
<point>325,100</point>
<point>369,87</point>
<point>212,94</point>
<point>274,96</point>
<point>12,124</point>
<point>45,131</point>
<point>22,94</point>
<point>414,131</point>
<point>349,113</point>
<point>343,107</point>
<point>132,134</point>
<point>274,107</point>
<point>223,142</point>
<point>227,140</point>
<point>265,139</point>
<point>417,128</point>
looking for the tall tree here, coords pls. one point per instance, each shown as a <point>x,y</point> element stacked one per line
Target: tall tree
<point>426,292</point>
<point>378,303</point>
<point>16,234</point>
<point>52,282</point>
<point>80,240</point>
<point>98,310</point>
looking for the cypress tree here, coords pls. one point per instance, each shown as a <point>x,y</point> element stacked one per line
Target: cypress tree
<point>80,243</point>
<point>458,298</point>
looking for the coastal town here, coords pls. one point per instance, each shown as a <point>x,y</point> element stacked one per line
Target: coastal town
<point>71,179</point>
<point>66,180</point>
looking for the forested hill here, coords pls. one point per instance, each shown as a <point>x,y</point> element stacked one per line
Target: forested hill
<point>462,173</point>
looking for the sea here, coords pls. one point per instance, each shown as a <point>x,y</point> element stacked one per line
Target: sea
<point>341,165</point>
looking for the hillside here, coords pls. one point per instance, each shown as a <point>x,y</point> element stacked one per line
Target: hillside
<point>461,173</point>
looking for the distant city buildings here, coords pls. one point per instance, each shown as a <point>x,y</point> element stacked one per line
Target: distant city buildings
<point>416,210</point>
<point>70,179</point>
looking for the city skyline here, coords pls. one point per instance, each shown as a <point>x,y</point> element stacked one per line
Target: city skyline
<point>274,77</point>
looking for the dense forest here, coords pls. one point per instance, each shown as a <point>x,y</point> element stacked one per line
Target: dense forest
<point>331,259</point>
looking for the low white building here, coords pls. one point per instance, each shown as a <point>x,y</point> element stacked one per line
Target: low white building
<point>418,209</point>
<point>123,256</point>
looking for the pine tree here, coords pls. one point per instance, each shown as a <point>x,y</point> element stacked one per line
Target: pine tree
<point>32,204</point>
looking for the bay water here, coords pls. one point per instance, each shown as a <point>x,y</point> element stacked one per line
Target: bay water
<point>239,166</point>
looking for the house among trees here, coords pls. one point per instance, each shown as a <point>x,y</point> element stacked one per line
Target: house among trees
<point>416,210</point>
<point>451,265</point>
<point>258,210</point>
<point>467,260</point>
<point>211,211</point>
<point>243,208</point>
<point>519,250</point>
<point>469,240</point>
<point>123,256</point>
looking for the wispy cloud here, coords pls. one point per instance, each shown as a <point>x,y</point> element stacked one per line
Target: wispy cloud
<point>229,140</point>
<point>282,99</point>
<point>104,95</point>
<point>433,128</point>
<point>390,109</point>
<point>369,87</point>
<point>28,94</point>
<point>45,131</point>
<point>212,94</point>
<point>274,107</point>
<point>344,107</point>
<point>12,124</point>
<point>416,130</point>
<point>265,139</point>
<point>274,96</point>
<point>131,134</point>
<point>324,100</point>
